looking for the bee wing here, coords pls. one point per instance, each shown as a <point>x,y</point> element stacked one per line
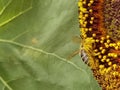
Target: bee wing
<point>84,56</point>
<point>76,39</point>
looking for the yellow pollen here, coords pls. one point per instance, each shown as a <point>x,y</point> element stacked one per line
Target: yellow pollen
<point>94,35</point>
<point>107,60</point>
<point>101,41</point>
<point>104,57</point>
<point>92,18</point>
<point>109,63</point>
<point>116,48</point>
<point>101,66</point>
<point>114,66</point>
<point>100,48</point>
<point>95,50</point>
<point>90,29</point>
<point>91,22</point>
<point>102,38</point>
<point>89,4</point>
<point>90,10</point>
<point>107,36</point>
<point>97,40</point>
<point>103,51</point>
<point>100,56</point>
<point>108,41</point>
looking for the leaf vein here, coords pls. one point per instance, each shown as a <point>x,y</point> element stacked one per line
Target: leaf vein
<point>5,7</point>
<point>7,21</point>
<point>5,83</point>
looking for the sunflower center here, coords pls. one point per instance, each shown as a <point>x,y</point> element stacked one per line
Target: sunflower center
<point>112,18</point>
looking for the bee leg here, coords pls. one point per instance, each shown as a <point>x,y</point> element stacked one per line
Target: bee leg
<point>73,54</point>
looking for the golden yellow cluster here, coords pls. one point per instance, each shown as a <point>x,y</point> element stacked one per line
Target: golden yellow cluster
<point>83,15</point>
<point>105,55</point>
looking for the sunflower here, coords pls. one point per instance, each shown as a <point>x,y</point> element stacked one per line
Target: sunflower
<point>100,30</point>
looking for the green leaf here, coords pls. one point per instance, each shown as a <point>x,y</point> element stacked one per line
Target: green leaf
<point>3,5</point>
<point>35,41</point>
<point>14,9</point>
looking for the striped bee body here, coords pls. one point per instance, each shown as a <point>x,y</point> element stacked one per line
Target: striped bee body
<point>84,56</point>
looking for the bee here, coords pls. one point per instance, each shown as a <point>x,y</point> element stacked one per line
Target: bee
<point>85,49</point>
